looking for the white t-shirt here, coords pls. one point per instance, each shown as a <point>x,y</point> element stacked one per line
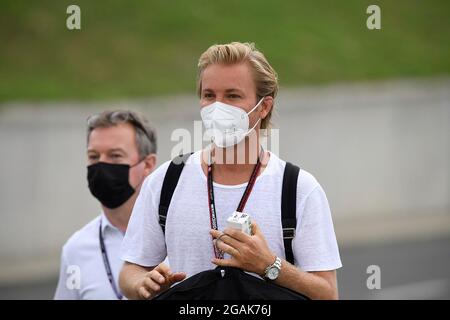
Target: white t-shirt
<point>187,241</point>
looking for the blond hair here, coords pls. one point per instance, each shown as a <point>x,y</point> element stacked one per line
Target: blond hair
<point>265,77</point>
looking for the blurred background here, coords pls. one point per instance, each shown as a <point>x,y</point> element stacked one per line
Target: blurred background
<point>367,112</point>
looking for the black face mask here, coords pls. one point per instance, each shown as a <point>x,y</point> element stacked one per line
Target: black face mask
<point>109,183</point>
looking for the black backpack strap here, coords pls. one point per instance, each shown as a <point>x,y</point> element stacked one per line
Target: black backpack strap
<point>168,187</point>
<point>289,208</point>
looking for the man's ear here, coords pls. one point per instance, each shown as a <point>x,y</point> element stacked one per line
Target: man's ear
<point>150,163</point>
<point>267,105</point>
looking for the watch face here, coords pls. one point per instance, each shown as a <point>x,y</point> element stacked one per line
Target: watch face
<point>273,273</point>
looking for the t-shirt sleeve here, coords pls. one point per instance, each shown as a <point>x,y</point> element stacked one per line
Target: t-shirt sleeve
<point>144,242</point>
<point>315,246</point>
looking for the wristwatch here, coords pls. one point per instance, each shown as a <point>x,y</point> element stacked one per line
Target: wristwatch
<point>273,271</point>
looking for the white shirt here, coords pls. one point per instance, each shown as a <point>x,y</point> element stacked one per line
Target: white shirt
<point>187,241</point>
<point>83,274</point>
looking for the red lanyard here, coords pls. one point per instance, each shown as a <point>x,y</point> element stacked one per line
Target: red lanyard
<point>240,208</point>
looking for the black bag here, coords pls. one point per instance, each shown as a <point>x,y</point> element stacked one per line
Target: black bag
<point>227,283</point>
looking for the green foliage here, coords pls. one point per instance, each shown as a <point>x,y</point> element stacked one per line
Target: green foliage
<point>144,48</point>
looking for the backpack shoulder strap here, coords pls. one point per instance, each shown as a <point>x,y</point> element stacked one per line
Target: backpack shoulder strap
<point>168,187</point>
<point>289,208</point>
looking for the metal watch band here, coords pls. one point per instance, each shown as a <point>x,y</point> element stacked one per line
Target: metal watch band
<point>276,264</point>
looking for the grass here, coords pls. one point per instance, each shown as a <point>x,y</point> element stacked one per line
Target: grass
<point>145,48</point>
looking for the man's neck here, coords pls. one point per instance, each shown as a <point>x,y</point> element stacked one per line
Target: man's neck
<point>120,216</point>
<point>231,166</point>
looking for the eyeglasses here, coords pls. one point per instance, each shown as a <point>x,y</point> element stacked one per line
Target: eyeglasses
<point>119,117</point>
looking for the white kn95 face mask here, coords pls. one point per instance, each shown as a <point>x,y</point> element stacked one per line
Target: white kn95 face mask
<point>226,125</point>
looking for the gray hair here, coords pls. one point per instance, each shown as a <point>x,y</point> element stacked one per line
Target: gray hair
<point>145,134</point>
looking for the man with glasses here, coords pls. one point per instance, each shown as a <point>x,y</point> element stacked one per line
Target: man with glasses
<point>121,152</point>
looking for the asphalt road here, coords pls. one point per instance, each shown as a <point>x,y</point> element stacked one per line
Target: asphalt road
<point>408,270</point>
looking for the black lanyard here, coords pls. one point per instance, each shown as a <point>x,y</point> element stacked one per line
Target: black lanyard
<point>106,263</point>
<point>240,208</point>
